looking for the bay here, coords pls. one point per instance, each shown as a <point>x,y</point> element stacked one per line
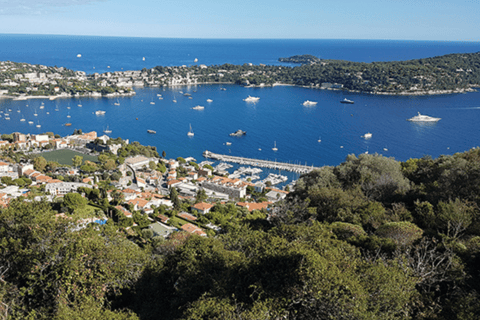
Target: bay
<point>278,117</point>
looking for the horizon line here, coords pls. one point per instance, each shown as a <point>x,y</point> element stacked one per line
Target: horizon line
<point>240,38</point>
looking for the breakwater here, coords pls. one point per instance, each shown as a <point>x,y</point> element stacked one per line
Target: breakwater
<point>260,163</point>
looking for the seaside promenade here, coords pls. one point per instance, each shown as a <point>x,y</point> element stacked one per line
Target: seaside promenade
<point>299,168</point>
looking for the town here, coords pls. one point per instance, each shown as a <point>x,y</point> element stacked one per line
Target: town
<point>129,183</point>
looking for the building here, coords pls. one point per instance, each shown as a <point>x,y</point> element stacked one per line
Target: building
<point>202,207</point>
<point>62,188</point>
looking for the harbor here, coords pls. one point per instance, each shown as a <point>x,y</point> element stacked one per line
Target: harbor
<point>298,168</point>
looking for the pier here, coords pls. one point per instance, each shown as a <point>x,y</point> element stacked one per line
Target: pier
<point>299,168</point>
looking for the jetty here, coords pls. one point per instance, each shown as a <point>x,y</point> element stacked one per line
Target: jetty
<point>299,168</point>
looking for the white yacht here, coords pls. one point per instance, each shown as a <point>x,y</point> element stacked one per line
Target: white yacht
<point>79,55</point>
<point>190,133</point>
<point>100,112</point>
<point>228,143</point>
<point>423,118</point>
<point>198,108</point>
<point>367,135</point>
<point>30,122</point>
<point>309,103</point>
<point>209,100</point>
<point>275,146</point>
<point>319,139</point>
<point>79,105</point>
<point>251,99</point>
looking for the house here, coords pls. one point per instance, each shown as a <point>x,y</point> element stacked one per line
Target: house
<point>127,213</point>
<point>253,205</point>
<point>137,162</point>
<point>162,218</point>
<point>187,216</point>
<point>62,188</point>
<point>202,207</point>
<point>276,195</point>
<point>191,228</point>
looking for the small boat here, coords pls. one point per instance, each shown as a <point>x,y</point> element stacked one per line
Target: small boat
<point>309,103</point>
<point>423,118</point>
<point>79,105</point>
<point>68,107</point>
<point>190,98</point>
<point>190,133</point>
<point>79,55</point>
<point>38,125</point>
<point>30,122</point>
<point>251,99</point>
<point>160,98</point>
<point>347,101</point>
<point>42,107</point>
<point>209,100</point>
<point>187,94</point>
<point>159,95</point>
<point>7,118</point>
<point>69,116</point>
<point>107,130</point>
<point>175,101</point>
<point>367,135</point>
<point>117,103</point>
<point>22,120</point>
<point>52,98</point>
<point>143,59</point>
<point>68,124</point>
<point>198,108</point>
<point>195,60</point>
<point>181,92</point>
<point>238,133</point>
<point>223,89</point>
<point>100,112</point>
<point>151,102</point>
<point>151,131</point>
<point>48,112</point>
<point>35,114</point>
<point>319,139</point>
<point>275,146</point>
<point>228,143</point>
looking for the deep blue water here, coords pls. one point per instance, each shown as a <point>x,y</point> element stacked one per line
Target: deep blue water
<point>278,116</point>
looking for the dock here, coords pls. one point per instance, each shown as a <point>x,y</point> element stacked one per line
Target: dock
<point>299,168</point>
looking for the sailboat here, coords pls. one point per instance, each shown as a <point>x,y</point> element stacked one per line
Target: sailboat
<point>38,125</point>
<point>190,133</point>
<point>107,130</point>
<point>319,139</point>
<point>117,103</point>
<point>35,114</point>
<point>23,119</point>
<point>275,146</point>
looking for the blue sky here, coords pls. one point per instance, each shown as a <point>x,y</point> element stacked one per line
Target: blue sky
<point>309,19</point>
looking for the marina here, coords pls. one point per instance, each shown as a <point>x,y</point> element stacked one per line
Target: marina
<point>299,168</point>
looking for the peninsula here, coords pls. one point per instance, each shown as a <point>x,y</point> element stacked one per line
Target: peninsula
<point>451,73</point>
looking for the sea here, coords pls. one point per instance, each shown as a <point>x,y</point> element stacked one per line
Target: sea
<point>318,135</point>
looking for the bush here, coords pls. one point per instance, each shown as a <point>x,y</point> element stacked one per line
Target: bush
<point>345,230</point>
<point>402,233</point>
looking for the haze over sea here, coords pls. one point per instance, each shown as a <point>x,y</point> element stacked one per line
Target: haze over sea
<point>278,116</point>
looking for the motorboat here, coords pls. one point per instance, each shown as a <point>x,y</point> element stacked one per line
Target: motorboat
<point>347,101</point>
<point>209,100</point>
<point>238,133</point>
<point>423,118</point>
<point>251,99</point>
<point>198,108</point>
<point>68,124</point>
<point>309,103</point>
<point>100,112</point>
<point>367,135</point>
<point>228,143</point>
<point>151,131</point>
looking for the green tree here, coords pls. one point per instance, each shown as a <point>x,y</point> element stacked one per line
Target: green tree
<point>74,201</point>
<point>39,163</point>
<point>77,161</point>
